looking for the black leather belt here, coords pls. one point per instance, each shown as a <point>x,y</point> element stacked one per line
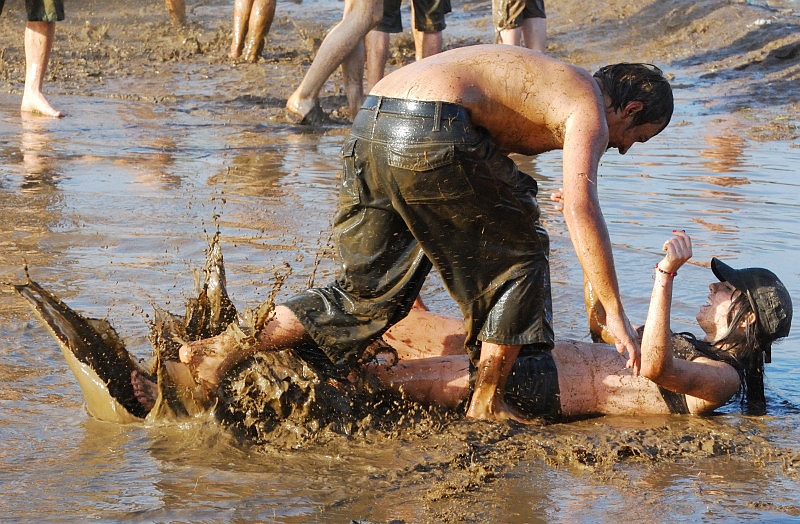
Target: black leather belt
<point>423,108</point>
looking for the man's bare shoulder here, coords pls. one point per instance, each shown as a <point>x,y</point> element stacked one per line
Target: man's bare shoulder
<point>523,98</point>
<point>480,71</point>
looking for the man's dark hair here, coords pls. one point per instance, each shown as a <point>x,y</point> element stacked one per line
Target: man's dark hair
<point>644,83</point>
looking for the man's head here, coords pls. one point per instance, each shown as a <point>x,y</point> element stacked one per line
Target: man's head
<point>643,83</point>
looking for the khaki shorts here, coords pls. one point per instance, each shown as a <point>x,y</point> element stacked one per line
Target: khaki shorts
<point>42,10</point>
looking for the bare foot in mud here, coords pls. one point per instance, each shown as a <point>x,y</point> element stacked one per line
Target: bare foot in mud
<point>207,358</point>
<point>498,411</point>
<point>36,103</point>
<point>306,111</point>
<point>145,390</point>
<point>235,51</point>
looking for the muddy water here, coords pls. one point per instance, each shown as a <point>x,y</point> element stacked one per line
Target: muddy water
<point>110,209</point>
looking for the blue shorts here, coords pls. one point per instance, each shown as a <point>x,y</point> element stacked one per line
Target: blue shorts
<point>42,10</point>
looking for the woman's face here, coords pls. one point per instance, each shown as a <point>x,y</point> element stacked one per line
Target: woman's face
<point>713,315</point>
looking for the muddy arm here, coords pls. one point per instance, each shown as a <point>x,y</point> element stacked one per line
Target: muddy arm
<point>595,314</point>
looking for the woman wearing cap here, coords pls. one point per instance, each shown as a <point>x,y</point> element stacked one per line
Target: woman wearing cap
<point>747,310</point>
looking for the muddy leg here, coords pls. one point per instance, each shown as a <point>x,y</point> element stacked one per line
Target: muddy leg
<point>261,15</point>
<point>211,358</point>
<point>177,11</point>
<point>353,69</point>
<point>377,49</point>
<point>241,16</point>
<point>359,17</point>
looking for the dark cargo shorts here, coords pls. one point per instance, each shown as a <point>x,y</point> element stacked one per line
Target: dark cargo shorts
<point>532,386</point>
<point>42,10</point>
<point>509,14</point>
<point>422,187</point>
<point>428,16</point>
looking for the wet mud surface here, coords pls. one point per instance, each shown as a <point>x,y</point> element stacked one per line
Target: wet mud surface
<point>724,56</point>
<point>747,56</point>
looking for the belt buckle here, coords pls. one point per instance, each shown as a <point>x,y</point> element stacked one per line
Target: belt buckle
<point>412,107</point>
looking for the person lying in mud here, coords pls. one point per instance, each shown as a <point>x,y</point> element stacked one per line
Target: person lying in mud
<point>422,358</point>
<point>747,310</point>
<point>427,182</point>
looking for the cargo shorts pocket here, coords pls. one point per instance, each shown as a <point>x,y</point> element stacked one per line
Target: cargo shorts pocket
<point>349,193</point>
<point>425,173</point>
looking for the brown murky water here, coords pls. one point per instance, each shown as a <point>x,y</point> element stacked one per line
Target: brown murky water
<point>110,208</point>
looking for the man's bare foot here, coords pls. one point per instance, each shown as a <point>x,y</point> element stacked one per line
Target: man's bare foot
<point>37,103</point>
<point>235,51</point>
<point>306,111</point>
<point>145,390</point>
<point>209,358</point>
<point>496,410</point>
<point>300,107</point>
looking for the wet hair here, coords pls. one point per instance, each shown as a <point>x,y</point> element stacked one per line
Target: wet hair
<point>745,351</point>
<point>645,83</point>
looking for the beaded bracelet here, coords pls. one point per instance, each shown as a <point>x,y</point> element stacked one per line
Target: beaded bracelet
<point>673,274</point>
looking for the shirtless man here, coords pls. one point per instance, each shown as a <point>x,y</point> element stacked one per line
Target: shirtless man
<point>427,183</point>
<point>40,31</point>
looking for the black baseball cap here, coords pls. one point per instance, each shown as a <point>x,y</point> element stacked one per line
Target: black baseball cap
<point>767,295</point>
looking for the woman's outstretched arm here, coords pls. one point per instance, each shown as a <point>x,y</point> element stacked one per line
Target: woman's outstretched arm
<point>710,382</point>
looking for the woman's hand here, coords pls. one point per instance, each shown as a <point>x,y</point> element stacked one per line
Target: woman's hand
<point>679,250</point>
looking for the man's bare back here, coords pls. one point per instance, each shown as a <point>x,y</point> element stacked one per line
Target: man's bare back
<point>523,98</point>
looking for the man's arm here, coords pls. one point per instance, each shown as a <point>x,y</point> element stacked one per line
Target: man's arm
<point>585,140</point>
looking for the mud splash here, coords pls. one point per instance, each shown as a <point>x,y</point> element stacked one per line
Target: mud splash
<point>272,399</point>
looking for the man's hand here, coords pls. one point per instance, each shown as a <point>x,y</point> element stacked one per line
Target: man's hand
<point>625,340</point>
